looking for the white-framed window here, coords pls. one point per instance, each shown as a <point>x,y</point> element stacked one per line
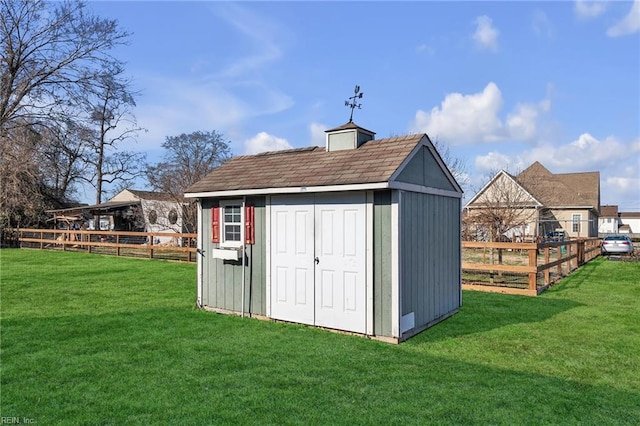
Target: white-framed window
<point>231,221</point>
<point>575,225</point>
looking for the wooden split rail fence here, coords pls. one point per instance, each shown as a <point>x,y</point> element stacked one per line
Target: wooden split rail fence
<point>158,245</point>
<point>516,268</point>
<point>522,268</point>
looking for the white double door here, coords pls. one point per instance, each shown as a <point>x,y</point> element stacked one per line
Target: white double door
<point>318,260</point>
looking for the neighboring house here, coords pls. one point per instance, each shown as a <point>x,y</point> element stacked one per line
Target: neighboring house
<point>609,220</point>
<point>540,202</point>
<point>361,235</point>
<point>131,210</point>
<point>630,222</point>
<point>614,222</point>
<point>160,211</point>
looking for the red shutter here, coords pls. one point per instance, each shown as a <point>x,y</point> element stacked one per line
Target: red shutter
<point>249,223</point>
<point>215,224</point>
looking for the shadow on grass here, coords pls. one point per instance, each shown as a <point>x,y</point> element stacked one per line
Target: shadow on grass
<point>578,278</point>
<point>160,366</point>
<point>482,312</point>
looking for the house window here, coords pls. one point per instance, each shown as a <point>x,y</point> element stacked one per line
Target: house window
<point>576,218</point>
<point>608,220</point>
<point>173,216</point>
<point>231,224</point>
<point>153,217</point>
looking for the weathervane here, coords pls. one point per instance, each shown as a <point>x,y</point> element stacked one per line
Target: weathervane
<point>353,104</point>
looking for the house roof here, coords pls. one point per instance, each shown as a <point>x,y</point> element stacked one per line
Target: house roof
<point>630,215</point>
<point>119,201</point>
<point>102,207</point>
<point>609,211</point>
<point>563,189</point>
<point>136,194</point>
<point>375,161</point>
<point>151,195</point>
<point>347,126</point>
<point>521,199</point>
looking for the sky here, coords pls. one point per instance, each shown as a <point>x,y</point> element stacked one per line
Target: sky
<point>498,84</point>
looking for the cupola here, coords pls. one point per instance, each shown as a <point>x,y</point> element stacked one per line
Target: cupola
<point>347,136</point>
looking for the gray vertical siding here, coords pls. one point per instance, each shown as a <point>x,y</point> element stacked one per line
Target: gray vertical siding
<point>222,287</point>
<point>430,266</point>
<point>423,169</point>
<point>382,263</point>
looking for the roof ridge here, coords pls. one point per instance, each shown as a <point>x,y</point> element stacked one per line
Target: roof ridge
<point>282,151</point>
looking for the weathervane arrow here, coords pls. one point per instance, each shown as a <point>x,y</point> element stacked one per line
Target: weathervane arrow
<point>351,103</point>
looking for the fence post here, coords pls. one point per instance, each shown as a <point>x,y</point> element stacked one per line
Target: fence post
<point>581,244</point>
<point>533,262</point>
<point>117,244</point>
<point>547,271</point>
<point>559,267</point>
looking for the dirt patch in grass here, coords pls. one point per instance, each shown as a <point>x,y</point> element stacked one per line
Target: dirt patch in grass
<point>633,257</point>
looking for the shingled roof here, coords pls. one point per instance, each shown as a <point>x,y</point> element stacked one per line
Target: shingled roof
<point>563,189</point>
<point>375,161</point>
<point>609,211</point>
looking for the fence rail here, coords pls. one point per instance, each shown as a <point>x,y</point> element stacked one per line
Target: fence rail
<point>516,268</point>
<point>154,245</point>
<point>522,268</point>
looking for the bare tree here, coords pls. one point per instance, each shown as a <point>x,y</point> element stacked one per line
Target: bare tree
<point>188,158</point>
<point>501,207</point>
<point>22,199</point>
<point>51,53</point>
<point>63,149</point>
<point>109,104</point>
<point>456,165</point>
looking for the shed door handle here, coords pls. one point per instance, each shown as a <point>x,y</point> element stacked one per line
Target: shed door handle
<point>317,260</point>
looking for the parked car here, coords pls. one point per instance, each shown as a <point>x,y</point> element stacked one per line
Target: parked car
<point>619,244</point>
<point>554,236</point>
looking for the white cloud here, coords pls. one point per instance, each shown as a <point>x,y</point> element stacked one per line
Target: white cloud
<point>318,135</point>
<point>173,106</point>
<point>486,35</point>
<point>541,24</point>
<point>465,119</point>
<point>263,142</point>
<point>589,9</point>
<point>624,184</point>
<point>260,32</point>
<point>221,94</point>
<point>584,154</point>
<point>493,162</point>
<point>521,124</point>
<point>630,24</point>
<point>616,160</point>
<point>426,49</point>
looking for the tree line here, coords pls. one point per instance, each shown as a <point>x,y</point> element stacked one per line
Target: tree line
<point>67,111</point>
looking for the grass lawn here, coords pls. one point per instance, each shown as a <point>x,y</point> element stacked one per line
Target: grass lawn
<point>89,339</point>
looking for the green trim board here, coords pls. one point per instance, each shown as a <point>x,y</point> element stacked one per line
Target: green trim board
<point>382,263</point>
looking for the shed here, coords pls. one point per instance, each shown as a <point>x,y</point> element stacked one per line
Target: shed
<point>361,235</point>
